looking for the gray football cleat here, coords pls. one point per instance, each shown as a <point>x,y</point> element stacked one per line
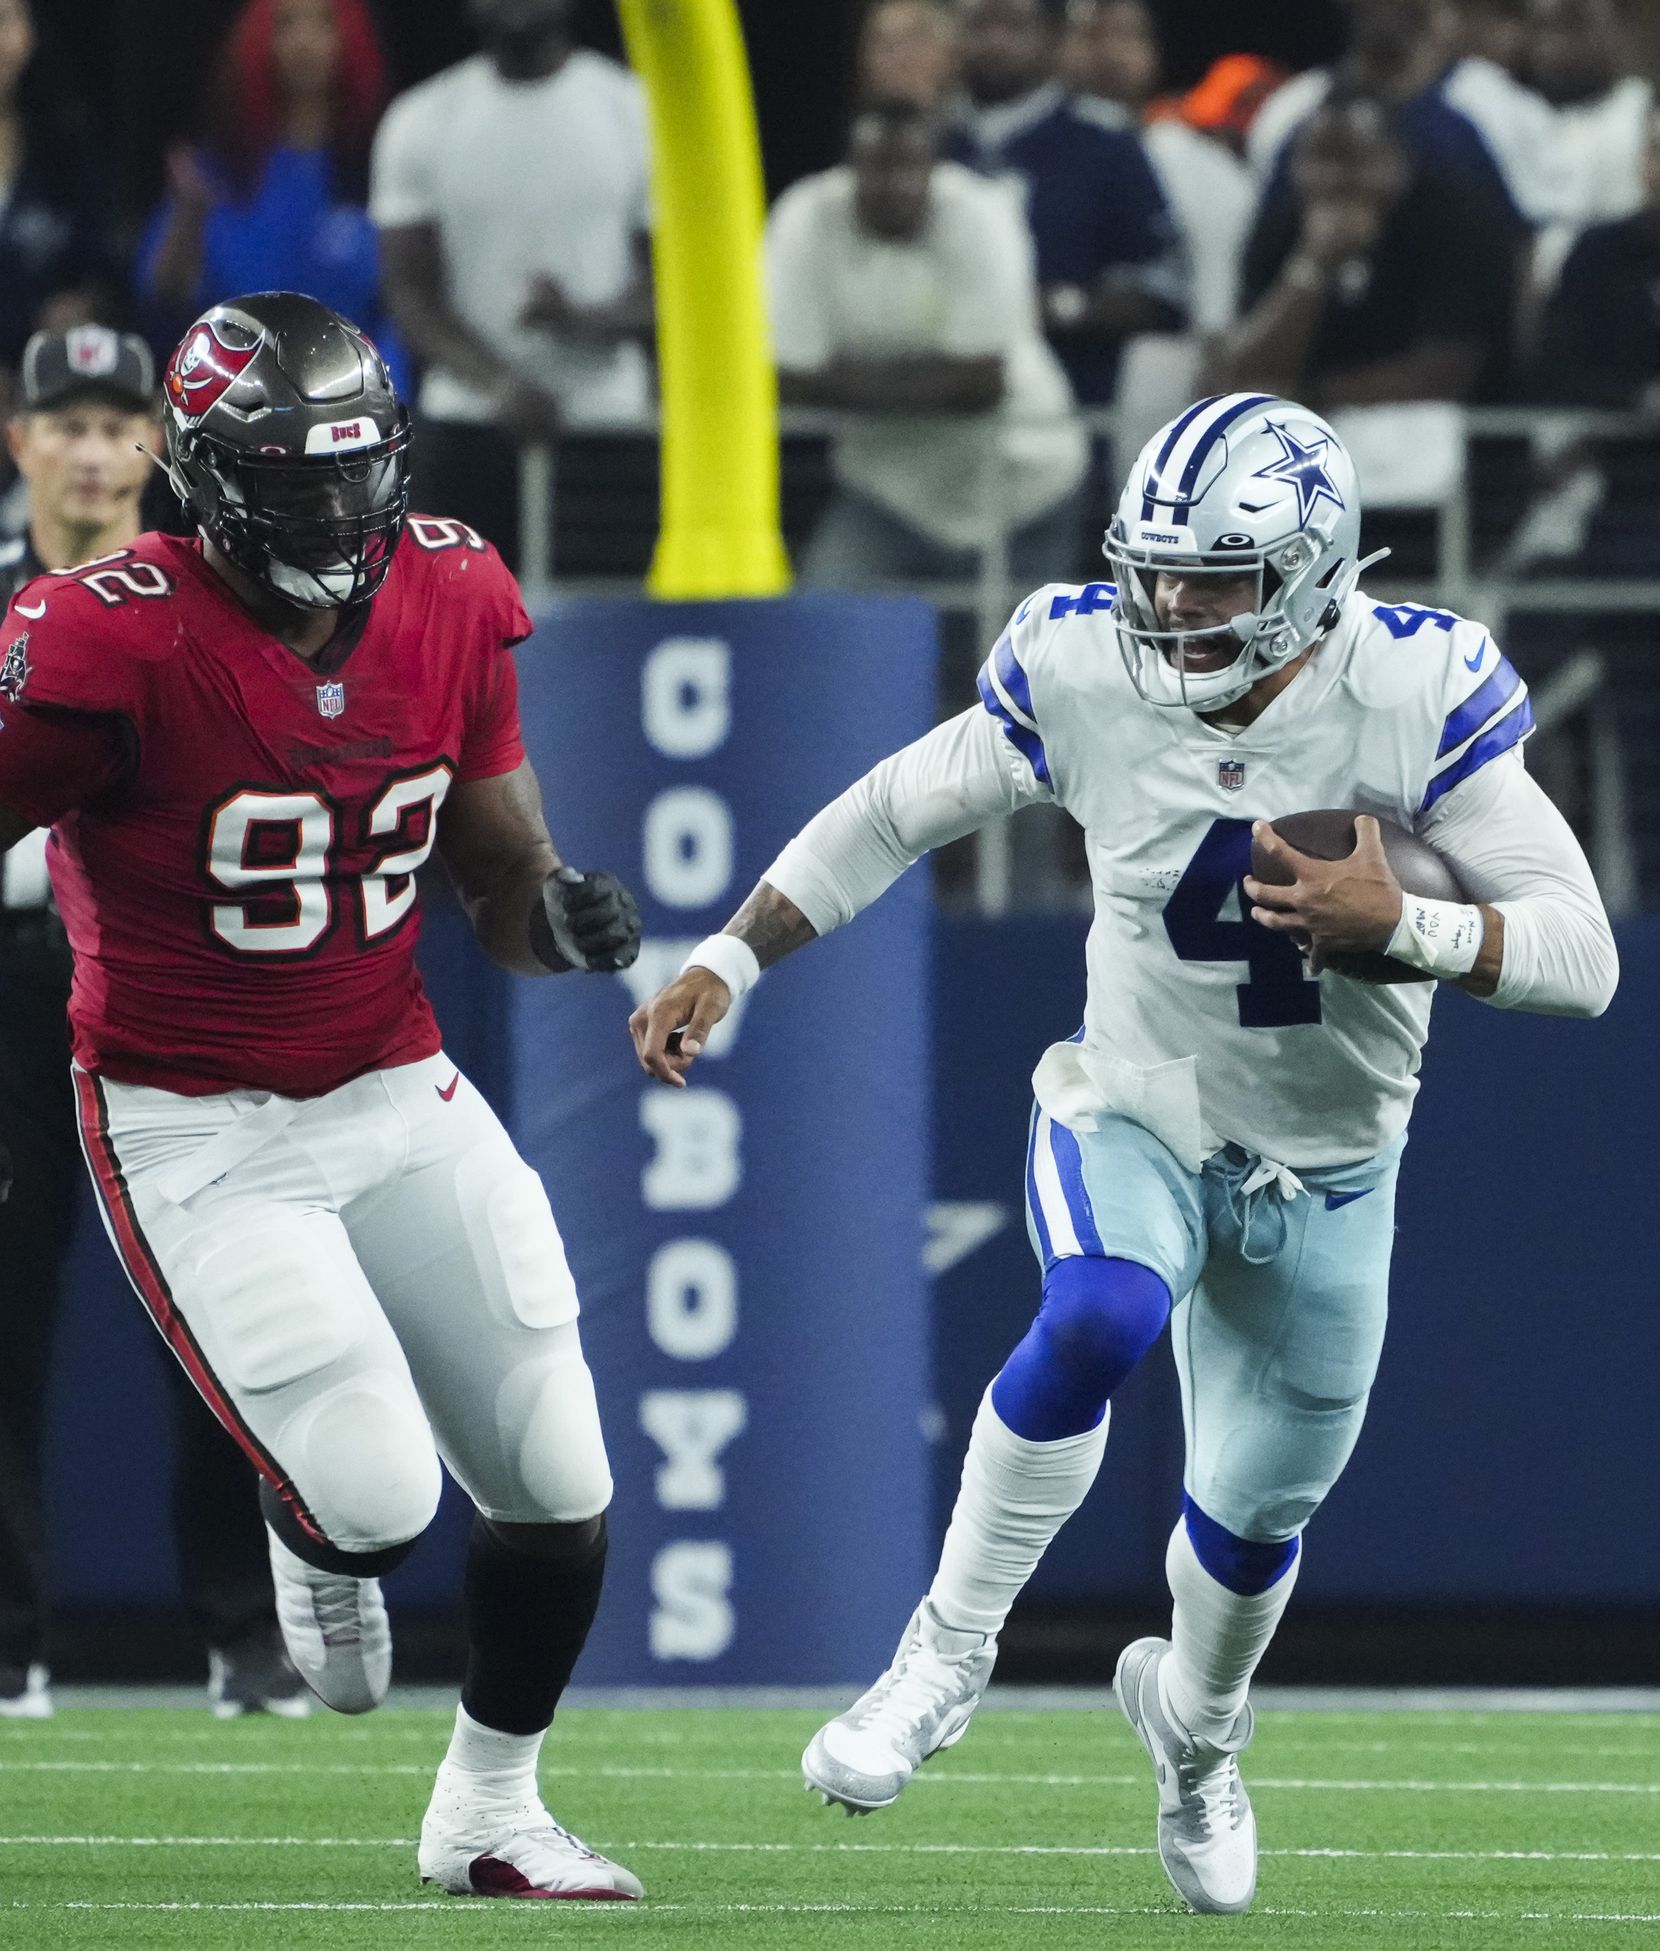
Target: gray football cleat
<point>335,1629</point>
<point>1207,1834</point>
<point>921,1705</point>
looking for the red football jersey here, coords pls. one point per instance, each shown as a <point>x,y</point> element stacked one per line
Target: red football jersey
<point>236,829</point>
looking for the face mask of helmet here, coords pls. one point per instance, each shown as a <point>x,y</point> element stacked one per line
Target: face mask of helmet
<point>319,531</point>
<point>1192,624</point>
<point>1248,617</point>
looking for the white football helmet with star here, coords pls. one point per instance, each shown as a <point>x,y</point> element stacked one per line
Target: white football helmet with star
<point>1242,484</point>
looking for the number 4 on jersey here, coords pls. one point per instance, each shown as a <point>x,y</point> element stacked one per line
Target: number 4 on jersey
<point>1279,992</point>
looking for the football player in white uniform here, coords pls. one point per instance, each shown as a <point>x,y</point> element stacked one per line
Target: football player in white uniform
<point>1218,1147</point>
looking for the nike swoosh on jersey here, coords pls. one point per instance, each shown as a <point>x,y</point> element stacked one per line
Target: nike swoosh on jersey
<point>33,614</point>
<point>1474,663</point>
<point>1336,1199</point>
<point>447,1091</point>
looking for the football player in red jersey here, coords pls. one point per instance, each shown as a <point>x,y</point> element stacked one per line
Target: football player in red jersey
<point>245,746</point>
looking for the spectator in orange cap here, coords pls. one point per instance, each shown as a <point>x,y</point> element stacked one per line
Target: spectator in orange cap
<point>1112,56</point>
<point>1223,103</point>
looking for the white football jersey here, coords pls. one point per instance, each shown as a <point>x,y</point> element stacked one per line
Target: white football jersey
<point>1201,1023</point>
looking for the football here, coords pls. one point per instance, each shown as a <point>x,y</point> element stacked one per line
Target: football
<point>1329,834</point>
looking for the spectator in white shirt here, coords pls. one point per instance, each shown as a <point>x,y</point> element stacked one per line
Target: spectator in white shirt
<point>903,295</point>
<point>511,196</point>
<point>1579,58</point>
<point>1112,57</point>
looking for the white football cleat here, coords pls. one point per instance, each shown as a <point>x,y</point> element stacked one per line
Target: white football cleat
<point>32,1701</point>
<point>335,1629</point>
<point>1207,1834</point>
<point>477,1847</point>
<point>920,1706</point>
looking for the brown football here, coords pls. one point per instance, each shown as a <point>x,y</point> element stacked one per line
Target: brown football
<point>1329,834</point>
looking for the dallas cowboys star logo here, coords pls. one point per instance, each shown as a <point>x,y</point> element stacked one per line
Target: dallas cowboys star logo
<point>1305,468</point>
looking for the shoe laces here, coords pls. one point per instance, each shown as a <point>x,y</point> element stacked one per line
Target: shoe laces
<point>916,1688</point>
<point>1212,1785</point>
<point>335,1605</point>
<point>548,1829</point>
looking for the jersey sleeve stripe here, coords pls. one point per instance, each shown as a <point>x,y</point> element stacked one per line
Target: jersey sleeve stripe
<point>1497,738</point>
<point>1006,693</point>
<point>1026,743</point>
<point>1014,687</point>
<point>1483,704</point>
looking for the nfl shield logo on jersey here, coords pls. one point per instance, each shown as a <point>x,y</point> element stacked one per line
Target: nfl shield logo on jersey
<point>1230,774</point>
<point>331,699</point>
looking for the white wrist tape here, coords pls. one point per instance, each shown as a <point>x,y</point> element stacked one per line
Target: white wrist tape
<point>734,961</point>
<point>1443,938</point>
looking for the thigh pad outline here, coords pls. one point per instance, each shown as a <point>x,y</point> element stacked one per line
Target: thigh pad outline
<point>275,1303</point>
<point>515,1242</point>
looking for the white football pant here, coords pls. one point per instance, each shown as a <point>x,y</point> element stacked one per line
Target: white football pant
<point>359,1284</point>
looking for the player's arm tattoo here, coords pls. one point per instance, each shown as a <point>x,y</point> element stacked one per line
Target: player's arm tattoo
<point>1483,978</point>
<point>13,827</point>
<point>772,925</point>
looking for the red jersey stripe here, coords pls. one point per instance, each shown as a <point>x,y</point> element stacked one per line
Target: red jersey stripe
<point>144,1271</point>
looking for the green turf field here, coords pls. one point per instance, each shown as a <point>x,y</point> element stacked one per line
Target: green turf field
<point>1484,1830</point>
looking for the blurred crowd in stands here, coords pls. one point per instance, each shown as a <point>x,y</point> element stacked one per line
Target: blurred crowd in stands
<point>1029,227</point>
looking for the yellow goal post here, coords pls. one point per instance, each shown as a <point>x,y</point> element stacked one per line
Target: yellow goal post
<point>720,534</point>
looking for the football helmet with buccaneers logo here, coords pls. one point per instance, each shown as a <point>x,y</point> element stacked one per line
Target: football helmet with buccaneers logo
<point>288,443</point>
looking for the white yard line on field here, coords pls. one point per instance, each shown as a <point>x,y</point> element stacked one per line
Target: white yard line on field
<point>945,1778</point>
<point>1452,1703</point>
<point>437,1907</point>
<point>852,1849</point>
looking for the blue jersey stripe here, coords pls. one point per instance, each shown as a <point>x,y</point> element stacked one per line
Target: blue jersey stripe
<point>1485,702</point>
<point>1009,674</point>
<point>1070,1162</point>
<point>1212,434</point>
<point>1496,739</point>
<point>1025,742</point>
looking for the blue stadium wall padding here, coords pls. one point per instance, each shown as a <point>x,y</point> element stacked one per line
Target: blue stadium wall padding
<point>749,1251</point>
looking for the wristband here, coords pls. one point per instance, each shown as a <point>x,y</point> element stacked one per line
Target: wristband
<point>1443,938</point>
<point>733,960</point>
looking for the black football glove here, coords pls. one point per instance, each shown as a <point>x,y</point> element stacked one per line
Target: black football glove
<point>5,1175</point>
<point>593,922</point>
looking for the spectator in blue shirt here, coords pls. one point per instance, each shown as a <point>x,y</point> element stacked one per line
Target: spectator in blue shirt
<point>1108,261</point>
<point>275,201</point>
